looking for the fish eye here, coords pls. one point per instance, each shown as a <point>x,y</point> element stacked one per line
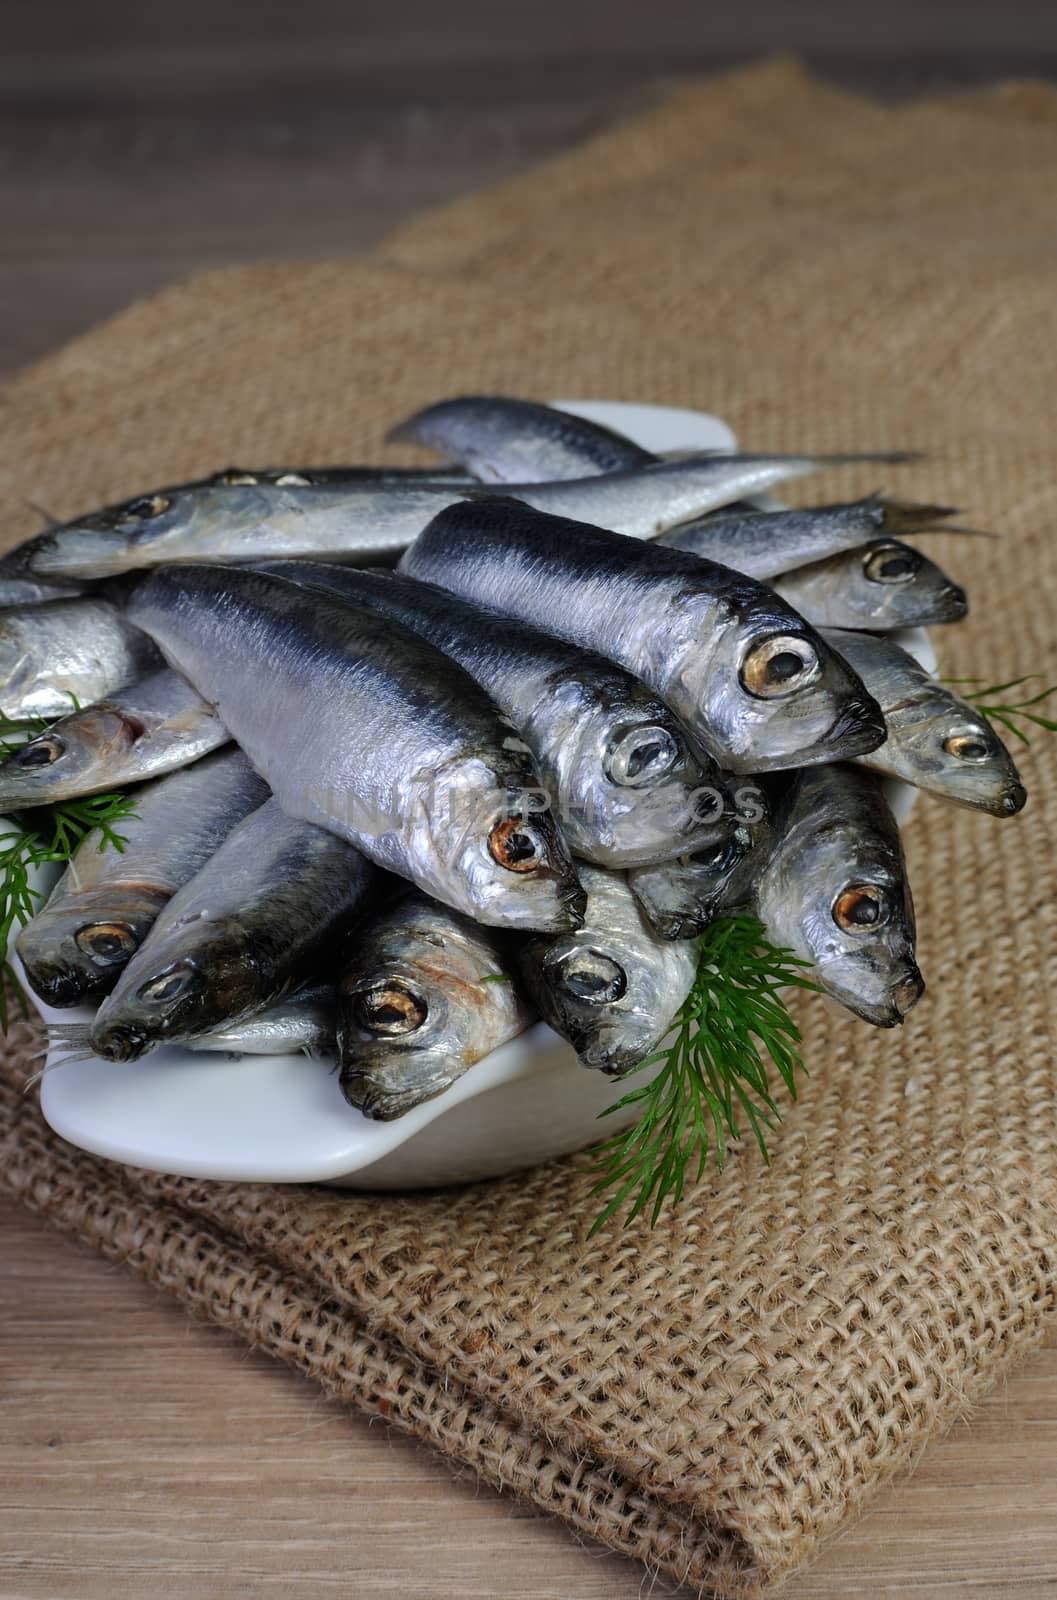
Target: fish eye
<point>639,756</point>
<point>292,480</point>
<point>168,985</point>
<point>235,478</point>
<point>891,563</point>
<point>40,752</point>
<point>147,506</point>
<point>719,855</point>
<point>591,977</point>
<point>517,845</point>
<point>968,747</point>
<point>106,942</point>
<point>861,908</point>
<point>779,665</point>
<point>389,1008</point>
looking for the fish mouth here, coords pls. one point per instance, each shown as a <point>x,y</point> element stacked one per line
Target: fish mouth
<point>574,905</point>
<point>902,998</point>
<point>683,925</point>
<point>379,1104</point>
<point>612,1062</point>
<point>597,1053</point>
<point>1011,798</point>
<point>120,1043</point>
<point>858,729</point>
<point>60,989</point>
<point>82,554</point>
<point>22,790</point>
<point>952,605</point>
<point>1014,799</point>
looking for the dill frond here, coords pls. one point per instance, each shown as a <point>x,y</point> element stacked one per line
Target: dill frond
<point>714,1076</point>
<point>1004,712</point>
<point>35,838</point>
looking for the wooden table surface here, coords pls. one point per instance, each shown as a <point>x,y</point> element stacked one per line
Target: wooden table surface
<point>142,1452</point>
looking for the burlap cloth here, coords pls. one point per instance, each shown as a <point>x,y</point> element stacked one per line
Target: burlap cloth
<point>719,1394</point>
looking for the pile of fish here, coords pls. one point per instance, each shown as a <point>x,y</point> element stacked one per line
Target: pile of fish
<point>421,754</point>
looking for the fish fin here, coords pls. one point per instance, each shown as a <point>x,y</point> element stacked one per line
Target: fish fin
<point>51,522</point>
<point>410,432</point>
<point>405,432</point>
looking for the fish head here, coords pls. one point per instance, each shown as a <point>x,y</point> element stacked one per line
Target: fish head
<point>177,987</point>
<point>835,892</point>
<point>416,1013</point>
<point>170,525</point>
<point>631,783</point>
<point>611,987</point>
<point>774,692</point>
<point>75,950</point>
<point>66,758</point>
<point>941,743</point>
<point>863,940</point>
<point>487,837</point>
<point>888,584</point>
<point>680,898</point>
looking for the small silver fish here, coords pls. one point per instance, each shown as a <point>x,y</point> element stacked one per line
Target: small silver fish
<point>364,728</point>
<point>375,521</point>
<point>506,440</point>
<point>680,898</point>
<point>625,779</point>
<point>107,901</point>
<point>749,677</point>
<point>834,891</point>
<point>55,656</point>
<point>935,739</point>
<point>765,544</point>
<point>153,726</point>
<point>422,996</point>
<point>612,988</point>
<point>20,585</point>
<point>249,926</point>
<point>880,586</point>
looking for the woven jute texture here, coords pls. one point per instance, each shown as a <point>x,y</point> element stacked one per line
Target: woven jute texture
<point>719,1394</point>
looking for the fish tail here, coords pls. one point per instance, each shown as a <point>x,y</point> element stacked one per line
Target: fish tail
<point>854,458</point>
<point>902,517</point>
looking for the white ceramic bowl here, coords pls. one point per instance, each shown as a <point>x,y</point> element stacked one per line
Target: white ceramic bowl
<point>282,1119</point>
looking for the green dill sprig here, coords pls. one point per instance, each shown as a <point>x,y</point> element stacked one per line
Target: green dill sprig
<point>714,1072</point>
<point>48,835</point>
<point>39,837</point>
<point>1005,712</point>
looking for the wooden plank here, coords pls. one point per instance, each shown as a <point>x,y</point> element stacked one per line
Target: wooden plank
<point>139,1448</point>
<point>139,143</point>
